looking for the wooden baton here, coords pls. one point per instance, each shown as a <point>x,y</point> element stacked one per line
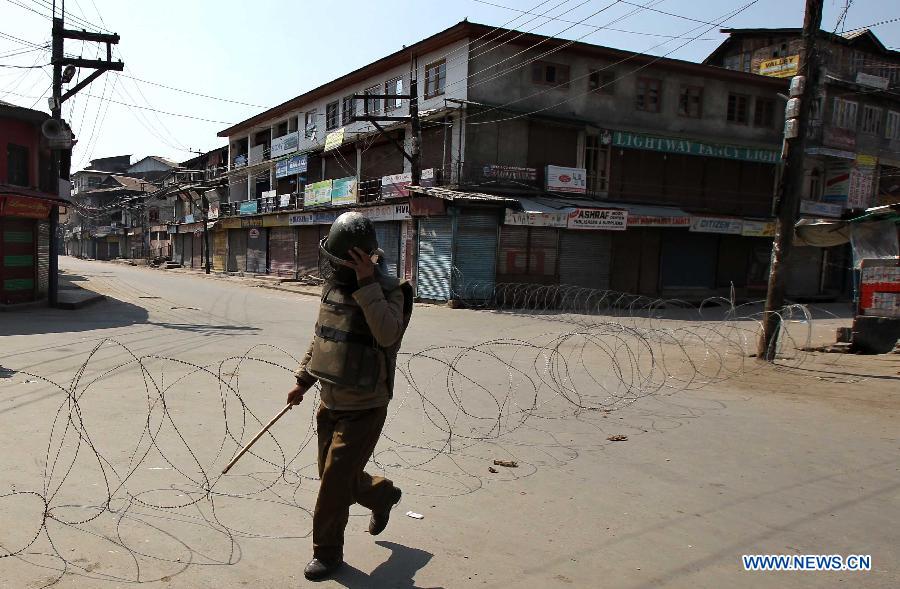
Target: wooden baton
<point>265,428</point>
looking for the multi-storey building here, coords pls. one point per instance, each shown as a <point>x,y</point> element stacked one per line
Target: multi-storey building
<point>545,161</point>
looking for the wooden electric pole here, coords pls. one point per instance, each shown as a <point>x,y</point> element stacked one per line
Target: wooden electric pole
<point>790,187</point>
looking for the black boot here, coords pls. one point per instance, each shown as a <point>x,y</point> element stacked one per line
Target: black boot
<point>380,519</point>
<point>319,569</point>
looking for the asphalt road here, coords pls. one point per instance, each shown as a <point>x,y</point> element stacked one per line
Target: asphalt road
<point>124,442</point>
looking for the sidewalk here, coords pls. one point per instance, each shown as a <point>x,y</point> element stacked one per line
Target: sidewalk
<point>72,297</point>
<point>262,281</point>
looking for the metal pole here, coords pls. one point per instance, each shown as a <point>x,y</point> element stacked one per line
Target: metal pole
<point>790,188</point>
<point>416,151</point>
<point>56,113</point>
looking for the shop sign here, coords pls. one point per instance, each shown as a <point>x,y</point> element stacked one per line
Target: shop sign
<point>397,212</point>
<point>606,219</point>
<point>213,211</point>
<point>249,207</point>
<point>838,138</point>
<point>285,144</point>
<point>862,182</point>
<point>820,209</point>
<point>14,206</point>
<point>343,191</point>
<point>104,230</point>
<point>425,206</point>
<point>781,67</point>
<point>717,225</point>
<point>653,221</point>
<point>396,185</point>
<point>837,182</point>
<point>562,179</point>
<point>251,222</point>
<point>275,220</point>
<point>318,218</point>
<point>231,223</point>
<point>284,200</point>
<point>190,228</point>
<point>297,164</point>
<point>691,147</point>
<point>281,169</point>
<point>254,233</point>
<point>334,139</point>
<point>864,79</point>
<point>758,229</point>
<point>536,219</point>
<point>317,193</point>
<point>512,173</point>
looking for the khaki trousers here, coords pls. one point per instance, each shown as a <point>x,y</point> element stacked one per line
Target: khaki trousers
<point>347,440</point>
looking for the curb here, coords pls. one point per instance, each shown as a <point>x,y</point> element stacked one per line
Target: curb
<point>73,305</point>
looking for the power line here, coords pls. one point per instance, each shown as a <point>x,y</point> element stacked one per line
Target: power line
<point>182,90</point>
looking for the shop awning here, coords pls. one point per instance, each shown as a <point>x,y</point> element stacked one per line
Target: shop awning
<point>466,197</point>
<point>638,214</point>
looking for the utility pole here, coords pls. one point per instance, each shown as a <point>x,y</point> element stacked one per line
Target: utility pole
<point>61,140</point>
<point>790,187</point>
<point>415,123</point>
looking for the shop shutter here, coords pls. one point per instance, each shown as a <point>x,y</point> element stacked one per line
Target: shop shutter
<point>584,258</point>
<point>804,271</point>
<point>475,255</point>
<point>113,249</point>
<point>197,250</point>
<point>256,251</point>
<point>43,257</point>
<point>512,262</point>
<point>388,233</point>
<point>282,251</point>
<point>237,250</point>
<point>220,250</point>
<point>543,252</point>
<point>688,259</point>
<point>17,263</point>
<point>435,258</point>
<point>308,251</point>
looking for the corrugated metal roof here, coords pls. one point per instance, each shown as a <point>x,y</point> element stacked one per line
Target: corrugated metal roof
<point>464,196</point>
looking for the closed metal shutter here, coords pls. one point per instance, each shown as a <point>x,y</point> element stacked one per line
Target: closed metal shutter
<point>804,271</point>
<point>17,263</point>
<point>584,258</point>
<point>527,254</point>
<point>475,255</point>
<point>177,249</point>
<point>282,251</point>
<point>688,260</point>
<point>237,250</point>
<point>256,250</point>
<point>435,258</point>
<point>308,250</point>
<point>220,250</point>
<point>113,250</point>
<point>43,257</point>
<point>197,251</point>
<point>388,233</point>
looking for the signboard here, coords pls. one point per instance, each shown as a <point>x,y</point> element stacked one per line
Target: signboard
<point>284,201</point>
<point>536,219</point>
<point>758,229</point>
<point>318,218</point>
<point>398,212</point>
<point>514,173</point>
<point>562,179</point>
<point>252,222</point>
<point>31,208</point>
<point>334,139</point>
<point>837,182</point>
<point>104,230</point>
<point>781,67</point>
<point>285,144</point>
<point>281,169</point>
<point>213,211</point>
<point>717,225</point>
<point>606,219</point>
<point>254,233</point>
<point>343,191</point>
<point>317,193</point>
<point>691,147</point>
<point>839,138</point>
<point>396,185</point>
<point>297,165</point>
<point>189,218</point>
<point>820,209</point>
<point>864,79</point>
<point>654,221</point>
<point>249,207</point>
<point>862,182</point>
<point>257,153</point>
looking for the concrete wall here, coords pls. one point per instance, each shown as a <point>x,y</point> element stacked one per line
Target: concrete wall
<point>149,165</point>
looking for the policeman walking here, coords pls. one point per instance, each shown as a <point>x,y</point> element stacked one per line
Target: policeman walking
<point>353,356</point>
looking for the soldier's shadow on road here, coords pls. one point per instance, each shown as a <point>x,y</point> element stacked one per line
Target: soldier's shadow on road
<point>398,570</point>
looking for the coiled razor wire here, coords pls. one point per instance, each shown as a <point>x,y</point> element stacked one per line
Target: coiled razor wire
<point>602,351</point>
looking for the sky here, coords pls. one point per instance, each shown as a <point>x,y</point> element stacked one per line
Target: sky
<point>249,56</point>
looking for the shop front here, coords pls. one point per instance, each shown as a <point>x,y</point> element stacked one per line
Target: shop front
<point>24,249</point>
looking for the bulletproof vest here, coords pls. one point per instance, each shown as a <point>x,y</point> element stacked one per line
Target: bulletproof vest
<point>345,353</point>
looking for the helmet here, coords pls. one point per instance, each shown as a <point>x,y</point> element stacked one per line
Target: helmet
<point>348,231</point>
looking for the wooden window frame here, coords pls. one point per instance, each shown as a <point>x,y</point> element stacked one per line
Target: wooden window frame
<point>348,109</point>
<point>439,82</point>
<point>648,84</point>
<point>390,87</point>
<point>757,117</point>
<point>562,74</point>
<point>684,101</point>
<point>372,105</point>
<point>332,115</point>
<point>602,88</point>
<point>20,151</point>
<point>746,110</point>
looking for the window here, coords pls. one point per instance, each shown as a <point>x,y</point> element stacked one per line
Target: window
<point>732,62</point>
<point>310,124</point>
<point>153,214</point>
<point>737,108</point>
<point>764,113</point>
<point>17,164</point>
<point>690,102</point>
<point>435,78</point>
<point>892,128</point>
<point>393,87</point>
<point>648,96</point>
<point>843,114</point>
<point>602,82</point>
<point>596,162</point>
<point>332,118</point>
<point>373,105</point>
<point>282,129</point>
<point>871,119</point>
<point>348,109</point>
<point>746,61</point>
<point>550,74</point>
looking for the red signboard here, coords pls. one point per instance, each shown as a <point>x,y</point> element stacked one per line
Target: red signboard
<point>17,206</point>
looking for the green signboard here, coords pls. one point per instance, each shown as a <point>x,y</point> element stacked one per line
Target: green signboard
<point>692,147</point>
